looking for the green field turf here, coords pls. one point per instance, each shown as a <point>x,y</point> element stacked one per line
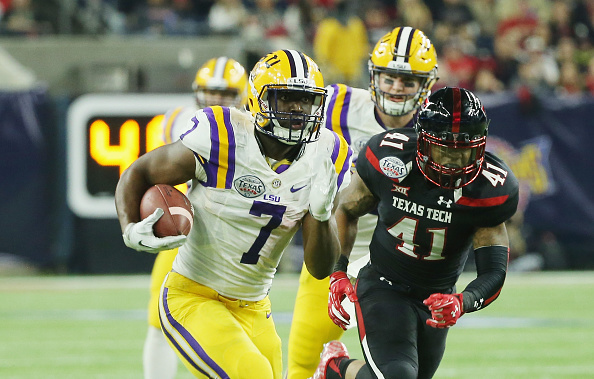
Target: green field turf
<point>541,327</point>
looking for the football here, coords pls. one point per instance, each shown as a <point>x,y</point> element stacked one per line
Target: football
<point>178,213</point>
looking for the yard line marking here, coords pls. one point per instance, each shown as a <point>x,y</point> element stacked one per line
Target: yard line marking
<point>285,318</point>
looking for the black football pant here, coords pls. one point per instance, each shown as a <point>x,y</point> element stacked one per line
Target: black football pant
<point>396,341</point>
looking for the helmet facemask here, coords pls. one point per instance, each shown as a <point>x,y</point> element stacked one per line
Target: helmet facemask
<point>291,113</point>
<point>207,97</point>
<point>409,101</point>
<point>450,161</point>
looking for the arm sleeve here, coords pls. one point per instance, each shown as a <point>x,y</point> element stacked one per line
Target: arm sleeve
<point>491,264</point>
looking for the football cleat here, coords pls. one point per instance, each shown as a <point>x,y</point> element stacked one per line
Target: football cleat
<point>332,350</point>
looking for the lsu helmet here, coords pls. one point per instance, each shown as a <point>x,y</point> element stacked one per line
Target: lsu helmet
<point>278,74</point>
<point>220,81</point>
<point>403,51</point>
<point>452,131</point>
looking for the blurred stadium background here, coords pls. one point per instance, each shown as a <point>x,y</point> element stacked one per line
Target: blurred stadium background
<point>70,69</point>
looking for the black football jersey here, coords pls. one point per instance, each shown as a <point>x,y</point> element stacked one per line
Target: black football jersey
<point>424,233</point>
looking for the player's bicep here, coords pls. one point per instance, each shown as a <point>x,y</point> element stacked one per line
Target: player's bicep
<point>491,236</point>
<point>170,164</point>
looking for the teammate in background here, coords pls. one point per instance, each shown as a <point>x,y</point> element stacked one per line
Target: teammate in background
<point>220,81</point>
<point>256,179</point>
<point>402,70</point>
<point>439,195</point>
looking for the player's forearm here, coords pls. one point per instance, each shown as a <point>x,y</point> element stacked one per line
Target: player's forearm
<point>491,263</point>
<point>128,194</point>
<point>347,231</point>
<point>321,246</point>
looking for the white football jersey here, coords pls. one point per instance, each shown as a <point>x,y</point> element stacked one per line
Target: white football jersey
<point>350,112</point>
<point>245,213</point>
<point>177,121</point>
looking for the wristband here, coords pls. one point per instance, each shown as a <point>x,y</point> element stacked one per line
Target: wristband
<point>341,264</point>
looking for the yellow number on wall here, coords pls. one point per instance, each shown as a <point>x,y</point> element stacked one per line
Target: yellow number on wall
<point>121,155</point>
<point>154,133</point>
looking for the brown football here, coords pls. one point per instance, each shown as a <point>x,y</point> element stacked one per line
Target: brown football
<point>178,213</point>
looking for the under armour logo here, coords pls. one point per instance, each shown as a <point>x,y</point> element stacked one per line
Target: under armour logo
<point>442,200</point>
<point>456,309</point>
<point>385,280</point>
<point>478,304</point>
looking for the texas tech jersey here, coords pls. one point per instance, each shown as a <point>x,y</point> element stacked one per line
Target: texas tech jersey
<point>424,232</point>
<point>351,114</point>
<point>245,213</point>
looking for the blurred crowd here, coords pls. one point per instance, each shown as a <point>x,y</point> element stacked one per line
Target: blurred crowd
<point>531,46</point>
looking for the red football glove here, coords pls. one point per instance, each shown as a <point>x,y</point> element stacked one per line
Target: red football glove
<point>340,288</point>
<point>445,309</point>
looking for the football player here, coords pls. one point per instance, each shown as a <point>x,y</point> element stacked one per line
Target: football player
<point>439,195</point>
<point>402,70</point>
<point>219,81</point>
<point>257,178</point>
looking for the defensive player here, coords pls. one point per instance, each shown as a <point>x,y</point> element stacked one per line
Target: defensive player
<point>219,81</point>
<point>439,195</point>
<point>256,178</point>
<point>402,70</point>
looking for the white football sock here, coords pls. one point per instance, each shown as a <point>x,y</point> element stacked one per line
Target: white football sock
<point>158,358</point>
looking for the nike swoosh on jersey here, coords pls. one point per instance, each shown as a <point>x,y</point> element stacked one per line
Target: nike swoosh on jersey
<point>268,314</point>
<point>293,189</point>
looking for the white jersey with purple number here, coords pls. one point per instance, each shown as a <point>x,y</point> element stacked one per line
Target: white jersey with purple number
<point>246,213</point>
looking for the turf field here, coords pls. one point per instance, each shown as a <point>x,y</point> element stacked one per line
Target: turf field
<point>541,327</point>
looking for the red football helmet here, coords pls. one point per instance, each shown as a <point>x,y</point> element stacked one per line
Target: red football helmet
<point>452,127</point>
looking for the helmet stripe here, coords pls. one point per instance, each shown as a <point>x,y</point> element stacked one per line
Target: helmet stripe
<point>304,64</point>
<point>456,109</point>
<point>219,68</point>
<point>408,44</point>
<point>403,43</point>
<point>396,44</point>
<point>298,64</point>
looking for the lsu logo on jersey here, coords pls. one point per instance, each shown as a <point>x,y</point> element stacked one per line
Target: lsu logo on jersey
<point>393,168</point>
<point>249,186</point>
